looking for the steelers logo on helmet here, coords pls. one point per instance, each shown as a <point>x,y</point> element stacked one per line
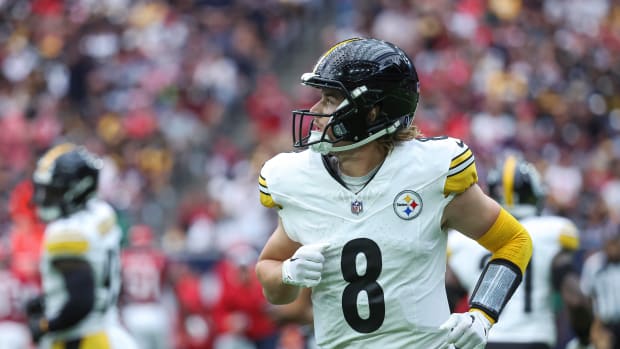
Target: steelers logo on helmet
<point>407,204</point>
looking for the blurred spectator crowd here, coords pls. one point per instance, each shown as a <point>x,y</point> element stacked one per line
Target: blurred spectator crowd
<point>155,87</point>
<point>534,76</point>
<point>186,99</point>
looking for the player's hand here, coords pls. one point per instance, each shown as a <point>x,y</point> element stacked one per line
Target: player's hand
<point>305,267</point>
<point>467,330</point>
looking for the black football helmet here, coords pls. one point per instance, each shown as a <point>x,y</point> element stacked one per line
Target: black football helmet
<point>367,72</point>
<point>65,179</point>
<point>517,186</point>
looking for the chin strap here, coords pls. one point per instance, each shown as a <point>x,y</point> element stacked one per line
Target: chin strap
<point>327,147</point>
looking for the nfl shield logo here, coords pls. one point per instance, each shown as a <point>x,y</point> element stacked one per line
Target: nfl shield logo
<point>357,207</point>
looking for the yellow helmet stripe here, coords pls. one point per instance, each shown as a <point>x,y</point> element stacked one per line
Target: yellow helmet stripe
<point>48,159</point>
<point>508,178</point>
<point>331,50</point>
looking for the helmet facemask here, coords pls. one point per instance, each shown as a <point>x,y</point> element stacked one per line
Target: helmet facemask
<point>47,201</point>
<point>349,122</point>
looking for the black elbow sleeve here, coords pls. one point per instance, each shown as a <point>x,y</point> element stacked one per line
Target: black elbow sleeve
<point>80,286</point>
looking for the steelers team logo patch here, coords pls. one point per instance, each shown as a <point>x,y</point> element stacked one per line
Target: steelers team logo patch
<point>407,204</point>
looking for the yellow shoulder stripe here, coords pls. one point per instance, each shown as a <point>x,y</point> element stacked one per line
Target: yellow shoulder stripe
<point>457,160</point>
<point>66,242</point>
<point>265,197</point>
<point>569,242</point>
<point>267,201</point>
<point>106,225</point>
<point>67,247</point>
<point>459,181</point>
<point>569,239</point>
<point>97,340</point>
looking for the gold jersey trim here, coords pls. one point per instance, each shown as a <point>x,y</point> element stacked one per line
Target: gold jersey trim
<point>265,196</point>
<point>569,238</point>
<point>67,242</point>
<point>67,247</point>
<point>457,160</point>
<point>97,340</point>
<point>106,225</point>
<point>462,172</point>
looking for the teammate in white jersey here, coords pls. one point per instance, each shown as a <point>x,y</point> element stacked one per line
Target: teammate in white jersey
<point>363,213</point>
<point>80,262</point>
<point>528,321</point>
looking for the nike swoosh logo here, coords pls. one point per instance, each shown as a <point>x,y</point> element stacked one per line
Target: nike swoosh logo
<point>293,259</point>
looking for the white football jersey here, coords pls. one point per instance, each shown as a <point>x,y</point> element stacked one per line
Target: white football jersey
<point>383,278</point>
<point>528,317</point>
<point>93,235</point>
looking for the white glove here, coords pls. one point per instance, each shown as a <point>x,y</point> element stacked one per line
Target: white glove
<point>467,330</point>
<point>305,267</point>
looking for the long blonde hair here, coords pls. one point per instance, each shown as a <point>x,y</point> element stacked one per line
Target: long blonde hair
<point>389,141</point>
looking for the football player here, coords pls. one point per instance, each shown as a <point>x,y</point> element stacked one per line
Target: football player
<point>81,258</point>
<point>528,321</point>
<point>363,213</point>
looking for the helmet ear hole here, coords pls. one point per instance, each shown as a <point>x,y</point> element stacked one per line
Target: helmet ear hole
<point>373,114</point>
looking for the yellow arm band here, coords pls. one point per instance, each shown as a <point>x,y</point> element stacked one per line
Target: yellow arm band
<point>507,239</point>
<point>511,246</point>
